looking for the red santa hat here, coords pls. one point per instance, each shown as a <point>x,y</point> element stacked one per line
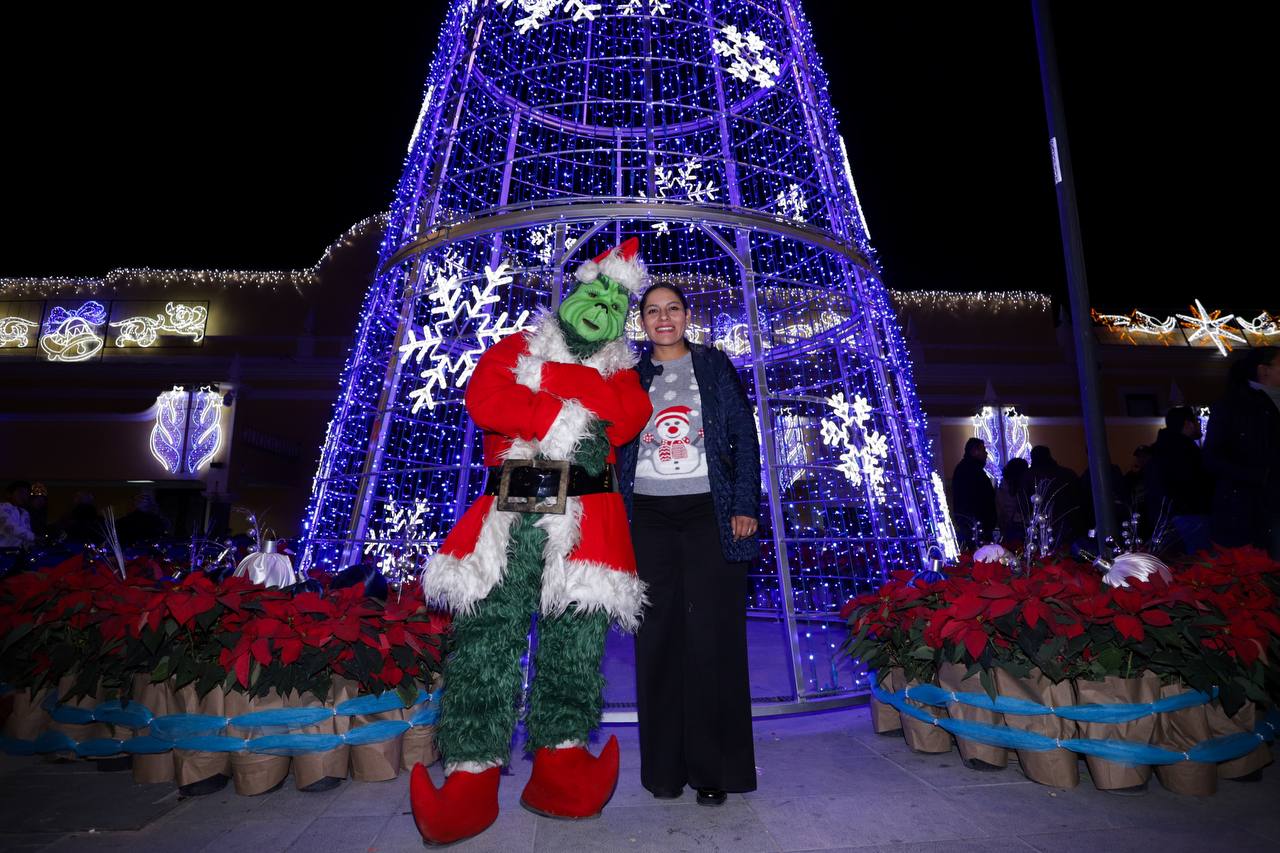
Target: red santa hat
<point>681,412</point>
<point>620,264</point>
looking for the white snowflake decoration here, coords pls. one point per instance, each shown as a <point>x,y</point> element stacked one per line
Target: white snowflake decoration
<point>791,203</point>
<point>747,52</point>
<point>632,7</point>
<point>545,240</point>
<point>401,543</point>
<point>682,182</point>
<point>1210,326</point>
<point>449,366</point>
<point>858,463</point>
<point>537,12</point>
<point>663,228</point>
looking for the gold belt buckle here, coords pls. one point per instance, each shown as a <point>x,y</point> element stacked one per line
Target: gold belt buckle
<point>548,479</point>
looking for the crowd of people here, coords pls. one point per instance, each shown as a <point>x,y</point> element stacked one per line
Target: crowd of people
<point>1189,491</point>
<point>25,522</point>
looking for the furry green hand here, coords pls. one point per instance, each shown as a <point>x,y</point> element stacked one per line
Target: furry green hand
<point>592,451</point>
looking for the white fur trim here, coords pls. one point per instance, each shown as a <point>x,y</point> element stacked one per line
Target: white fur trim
<point>470,766</point>
<point>630,274</point>
<point>588,585</point>
<point>460,583</point>
<point>570,744</point>
<point>566,431</point>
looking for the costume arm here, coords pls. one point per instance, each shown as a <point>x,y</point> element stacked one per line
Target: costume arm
<point>743,442</point>
<point>618,400</point>
<point>499,404</point>
<point>633,407</point>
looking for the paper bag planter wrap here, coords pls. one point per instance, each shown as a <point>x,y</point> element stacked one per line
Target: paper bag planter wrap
<point>951,676</point>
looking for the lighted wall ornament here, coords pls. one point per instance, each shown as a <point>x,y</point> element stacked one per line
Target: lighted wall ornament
<point>1211,327</point>
<point>16,331</point>
<point>858,461</point>
<point>74,335</point>
<point>187,432</point>
<point>1007,435</point>
<point>177,319</point>
<point>170,428</point>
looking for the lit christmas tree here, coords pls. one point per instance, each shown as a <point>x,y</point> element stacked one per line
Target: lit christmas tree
<point>552,131</point>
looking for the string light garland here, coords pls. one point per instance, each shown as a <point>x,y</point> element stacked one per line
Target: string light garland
<point>121,279</point>
<point>984,301</point>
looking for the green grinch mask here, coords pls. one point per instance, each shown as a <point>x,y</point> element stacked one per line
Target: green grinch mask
<point>596,310</point>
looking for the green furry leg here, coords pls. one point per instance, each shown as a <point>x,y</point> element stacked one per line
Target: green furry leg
<point>568,687</point>
<point>482,675</point>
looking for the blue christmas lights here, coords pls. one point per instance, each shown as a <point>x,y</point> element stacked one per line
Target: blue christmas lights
<point>540,146</point>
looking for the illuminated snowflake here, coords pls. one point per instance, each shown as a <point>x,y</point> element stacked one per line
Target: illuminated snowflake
<point>1210,326</point>
<point>747,52</point>
<point>545,240</point>
<point>682,182</point>
<point>401,543</point>
<point>859,462</point>
<point>451,365</point>
<point>537,12</point>
<point>791,203</point>
<point>633,7</point>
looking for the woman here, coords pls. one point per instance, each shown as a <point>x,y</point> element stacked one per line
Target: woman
<point>692,484</point>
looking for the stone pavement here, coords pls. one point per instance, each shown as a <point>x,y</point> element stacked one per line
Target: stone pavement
<point>826,783</point>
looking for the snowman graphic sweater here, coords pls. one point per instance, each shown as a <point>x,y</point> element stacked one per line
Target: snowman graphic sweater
<point>671,458</point>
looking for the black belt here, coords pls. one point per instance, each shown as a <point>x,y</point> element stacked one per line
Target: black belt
<point>529,482</point>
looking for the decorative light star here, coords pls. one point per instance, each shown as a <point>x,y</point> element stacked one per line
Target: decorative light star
<point>1211,326</point>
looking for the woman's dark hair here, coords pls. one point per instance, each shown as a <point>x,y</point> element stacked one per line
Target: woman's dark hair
<point>644,297</point>
<point>1245,368</point>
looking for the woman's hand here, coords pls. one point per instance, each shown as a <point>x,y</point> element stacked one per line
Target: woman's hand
<point>743,526</point>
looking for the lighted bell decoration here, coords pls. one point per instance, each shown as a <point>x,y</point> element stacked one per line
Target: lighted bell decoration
<point>268,567</point>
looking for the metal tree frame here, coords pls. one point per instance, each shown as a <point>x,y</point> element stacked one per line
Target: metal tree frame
<point>550,132</point>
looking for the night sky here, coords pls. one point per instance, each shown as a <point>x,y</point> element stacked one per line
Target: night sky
<point>252,140</point>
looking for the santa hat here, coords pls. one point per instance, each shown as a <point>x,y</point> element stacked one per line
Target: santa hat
<point>681,412</point>
<point>619,264</point>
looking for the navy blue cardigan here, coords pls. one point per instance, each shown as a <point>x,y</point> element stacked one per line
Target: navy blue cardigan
<point>730,442</point>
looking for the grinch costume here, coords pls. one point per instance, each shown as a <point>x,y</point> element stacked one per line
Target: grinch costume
<point>549,536</point>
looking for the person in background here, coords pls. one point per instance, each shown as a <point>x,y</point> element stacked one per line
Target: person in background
<point>15,520</point>
<point>83,524</point>
<point>1177,483</point>
<point>1242,451</point>
<point>145,523</point>
<point>1059,488</point>
<point>1011,499</point>
<point>691,481</point>
<point>973,497</point>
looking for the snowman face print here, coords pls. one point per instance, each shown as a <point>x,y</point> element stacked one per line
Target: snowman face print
<point>672,448</point>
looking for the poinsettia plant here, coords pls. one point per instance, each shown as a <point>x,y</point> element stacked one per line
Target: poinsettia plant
<point>105,630</point>
<point>1214,625</point>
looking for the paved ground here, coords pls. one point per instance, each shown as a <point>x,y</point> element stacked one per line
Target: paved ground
<point>826,783</point>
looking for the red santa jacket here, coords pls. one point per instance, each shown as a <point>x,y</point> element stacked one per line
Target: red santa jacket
<point>531,396</point>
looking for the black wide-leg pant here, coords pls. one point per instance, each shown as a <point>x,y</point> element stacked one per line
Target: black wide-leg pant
<point>692,686</point>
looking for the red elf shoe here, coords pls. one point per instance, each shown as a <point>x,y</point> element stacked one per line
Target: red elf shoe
<point>571,783</point>
<point>465,805</point>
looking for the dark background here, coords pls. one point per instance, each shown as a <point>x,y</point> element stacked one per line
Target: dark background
<point>248,139</point>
